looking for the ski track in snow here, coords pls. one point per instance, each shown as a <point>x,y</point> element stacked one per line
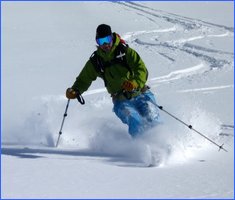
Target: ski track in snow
<point>206,89</point>
<point>180,26</point>
<point>178,74</point>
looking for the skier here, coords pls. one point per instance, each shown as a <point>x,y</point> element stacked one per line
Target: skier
<point>124,75</point>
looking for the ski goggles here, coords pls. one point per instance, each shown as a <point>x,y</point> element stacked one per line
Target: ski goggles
<point>108,39</point>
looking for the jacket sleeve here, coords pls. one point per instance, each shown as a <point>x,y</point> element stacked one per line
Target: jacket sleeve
<point>85,78</point>
<point>139,70</point>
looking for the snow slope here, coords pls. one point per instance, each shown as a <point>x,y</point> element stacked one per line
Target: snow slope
<point>188,48</point>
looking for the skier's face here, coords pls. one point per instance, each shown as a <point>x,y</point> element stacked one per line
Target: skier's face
<point>107,47</point>
<point>105,43</point>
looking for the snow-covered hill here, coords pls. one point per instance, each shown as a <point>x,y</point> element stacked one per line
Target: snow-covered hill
<point>188,48</point>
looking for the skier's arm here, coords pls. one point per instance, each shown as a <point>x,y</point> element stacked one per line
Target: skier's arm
<point>85,78</point>
<point>140,72</point>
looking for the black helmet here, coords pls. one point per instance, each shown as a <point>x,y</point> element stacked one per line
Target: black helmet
<point>103,30</point>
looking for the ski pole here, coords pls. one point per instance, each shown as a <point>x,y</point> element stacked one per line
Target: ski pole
<point>191,127</point>
<point>62,124</point>
<point>81,101</point>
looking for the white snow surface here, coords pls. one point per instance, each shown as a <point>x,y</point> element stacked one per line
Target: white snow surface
<point>188,48</point>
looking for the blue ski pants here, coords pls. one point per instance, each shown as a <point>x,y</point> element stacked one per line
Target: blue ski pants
<point>139,113</point>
